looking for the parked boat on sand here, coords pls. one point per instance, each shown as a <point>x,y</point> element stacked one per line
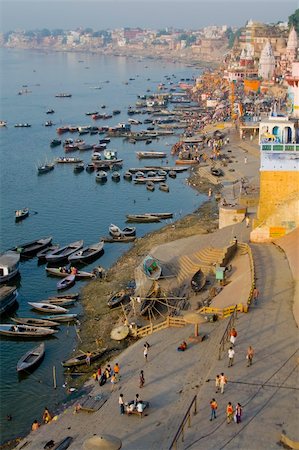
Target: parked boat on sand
<point>198,281</point>
<point>62,317</point>
<point>115,231</point>
<point>80,359</point>
<point>143,218</point>
<point>151,268</point>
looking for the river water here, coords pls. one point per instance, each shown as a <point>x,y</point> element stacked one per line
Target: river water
<point>65,205</point>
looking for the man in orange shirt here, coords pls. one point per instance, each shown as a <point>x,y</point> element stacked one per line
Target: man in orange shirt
<point>214,406</point>
<point>229,412</point>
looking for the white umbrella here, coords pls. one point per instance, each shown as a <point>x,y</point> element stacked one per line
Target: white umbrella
<point>103,442</point>
<point>119,333</point>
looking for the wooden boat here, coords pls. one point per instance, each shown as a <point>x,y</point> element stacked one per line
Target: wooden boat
<point>128,176</point>
<point>68,160</point>
<point>79,168</point>
<point>151,268</point>
<point>83,147</point>
<point>9,265</point>
<point>50,111</point>
<point>145,180</point>
<point>41,256</point>
<point>120,239</point>
<point>198,281</point>
<point>106,162</point>
<point>63,444</point>
<point>63,95</point>
<point>8,297</point>
<point>74,295</point>
<point>63,272</point>
<point>150,155</point>
<point>32,321</point>
<point>47,308</point>
<point>88,252</point>
<point>101,176</point>
<point>55,143</point>
<point>25,331</point>
<point>160,215</point>
<point>66,283</point>
<point>115,231</point>
<point>62,317</point>
<point>64,302</point>
<point>80,359</point>
<point>64,252</point>
<point>45,168</point>
<point>119,297</point>
<point>217,172</point>
<point>164,187</point>
<point>143,218</point>
<point>150,186</point>
<point>22,125</point>
<point>186,161</point>
<point>31,248</point>
<point>21,214</point>
<point>89,168</point>
<point>115,176</point>
<point>32,358</point>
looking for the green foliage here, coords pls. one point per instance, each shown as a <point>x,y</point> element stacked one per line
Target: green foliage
<point>294,20</point>
<point>190,39</point>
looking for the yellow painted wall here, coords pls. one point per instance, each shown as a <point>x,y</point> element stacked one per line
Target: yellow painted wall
<point>276,188</point>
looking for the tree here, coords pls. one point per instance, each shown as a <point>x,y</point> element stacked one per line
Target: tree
<point>294,20</point>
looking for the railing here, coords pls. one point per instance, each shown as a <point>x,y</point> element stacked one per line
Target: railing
<point>226,334</point>
<point>169,322</point>
<point>279,147</point>
<point>186,420</point>
<point>247,248</point>
<point>222,313</point>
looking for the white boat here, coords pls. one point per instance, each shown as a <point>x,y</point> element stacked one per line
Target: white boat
<point>22,331</point>
<point>3,123</point>
<point>9,265</point>
<point>49,308</point>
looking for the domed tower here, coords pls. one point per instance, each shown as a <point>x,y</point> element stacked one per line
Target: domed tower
<point>267,62</point>
<point>292,46</point>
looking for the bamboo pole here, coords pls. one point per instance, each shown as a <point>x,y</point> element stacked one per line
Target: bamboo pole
<point>54,377</point>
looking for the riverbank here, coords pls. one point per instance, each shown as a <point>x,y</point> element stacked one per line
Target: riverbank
<point>173,379</point>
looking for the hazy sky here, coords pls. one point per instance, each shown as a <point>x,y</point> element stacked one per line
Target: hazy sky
<point>103,14</point>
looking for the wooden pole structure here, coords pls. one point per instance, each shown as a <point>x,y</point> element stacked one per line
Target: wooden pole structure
<point>54,377</point>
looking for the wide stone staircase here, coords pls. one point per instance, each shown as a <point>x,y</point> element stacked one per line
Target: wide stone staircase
<point>204,259</point>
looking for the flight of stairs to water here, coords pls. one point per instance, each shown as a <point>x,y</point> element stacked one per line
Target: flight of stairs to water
<point>203,259</point>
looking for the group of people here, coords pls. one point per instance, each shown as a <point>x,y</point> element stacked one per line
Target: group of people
<point>231,412</point>
<point>68,270</point>
<point>47,417</point>
<point>136,405</point>
<point>221,380</point>
<point>108,373</point>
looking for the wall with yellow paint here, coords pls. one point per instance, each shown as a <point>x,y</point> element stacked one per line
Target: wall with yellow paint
<point>276,188</point>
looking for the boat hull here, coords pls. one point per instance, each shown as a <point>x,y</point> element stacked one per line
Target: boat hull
<point>31,359</point>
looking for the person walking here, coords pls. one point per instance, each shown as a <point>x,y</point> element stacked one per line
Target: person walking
<point>256,294</point>
<point>223,381</point>
<point>214,406</point>
<point>121,404</point>
<point>247,221</point>
<point>217,384</point>
<point>231,355</point>
<point>229,412</point>
<point>233,336</point>
<point>238,413</point>
<point>249,356</point>
<point>145,352</point>
<point>141,379</point>
<point>113,381</point>
<point>116,370</point>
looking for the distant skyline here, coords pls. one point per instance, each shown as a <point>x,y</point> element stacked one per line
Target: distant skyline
<point>155,14</point>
